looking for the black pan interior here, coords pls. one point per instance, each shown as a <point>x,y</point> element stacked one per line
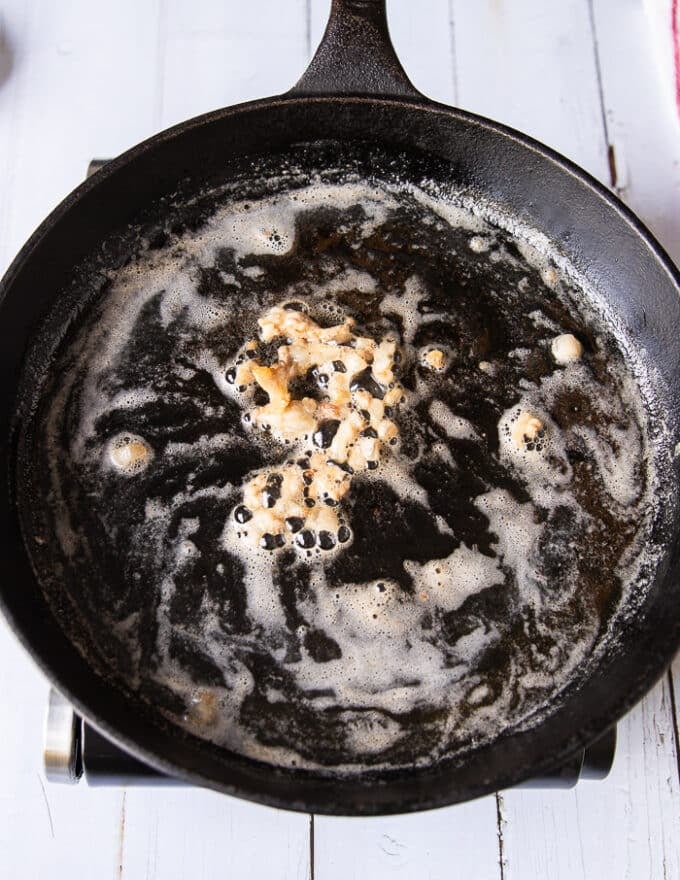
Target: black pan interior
<point>640,320</point>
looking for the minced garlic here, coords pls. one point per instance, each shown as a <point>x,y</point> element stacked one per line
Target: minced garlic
<point>434,359</point>
<point>345,422</point>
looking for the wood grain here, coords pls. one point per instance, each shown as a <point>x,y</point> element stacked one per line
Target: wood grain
<point>640,123</point>
<point>213,54</point>
<point>444,844</point>
<point>186,833</point>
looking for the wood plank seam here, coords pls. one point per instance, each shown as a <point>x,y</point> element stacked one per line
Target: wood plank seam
<point>311,846</point>
<point>121,838</point>
<point>611,154</point>
<point>674,715</point>
<point>47,804</point>
<point>500,822</point>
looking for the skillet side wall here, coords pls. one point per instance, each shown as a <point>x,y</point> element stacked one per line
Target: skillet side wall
<point>598,235</point>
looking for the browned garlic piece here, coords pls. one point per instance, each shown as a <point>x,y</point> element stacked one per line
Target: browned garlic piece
<point>526,429</point>
<point>345,422</point>
<point>566,348</point>
<point>433,359</point>
<point>129,453</point>
<point>203,708</point>
<point>479,244</point>
<point>549,276</point>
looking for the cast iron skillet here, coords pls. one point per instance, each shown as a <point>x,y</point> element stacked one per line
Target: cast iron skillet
<point>355,90</point>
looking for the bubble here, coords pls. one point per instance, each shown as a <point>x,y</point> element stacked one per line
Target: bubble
<point>242,514</point>
<point>306,539</point>
<point>326,540</point>
<point>272,542</point>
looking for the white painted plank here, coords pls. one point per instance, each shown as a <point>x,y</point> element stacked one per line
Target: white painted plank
<point>174,834</point>
<point>423,39</point>
<point>56,101</point>
<point>675,699</point>
<point>663,18</point>
<point>42,826</point>
<point>214,54</point>
<point>61,102</point>
<point>443,844</point>
<point>625,826</point>
<point>641,123</point>
<point>532,66</point>
<point>318,11</point>
<point>80,86</point>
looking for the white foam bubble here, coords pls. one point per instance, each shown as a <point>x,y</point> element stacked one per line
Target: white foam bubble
<point>618,446</point>
<point>540,319</point>
<point>253,271</point>
<point>264,602</point>
<point>372,732</point>
<point>517,535</point>
<point>455,426</point>
<point>447,583</point>
<point>268,226</point>
<point>458,215</point>
<point>348,279</point>
<point>388,662</point>
<point>540,455</point>
<point>405,304</point>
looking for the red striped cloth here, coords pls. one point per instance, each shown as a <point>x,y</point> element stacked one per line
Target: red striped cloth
<point>664,19</point>
<point>675,36</point>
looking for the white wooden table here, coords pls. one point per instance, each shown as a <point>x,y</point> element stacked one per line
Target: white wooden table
<point>83,79</point>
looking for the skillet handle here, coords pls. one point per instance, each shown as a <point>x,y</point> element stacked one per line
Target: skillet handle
<point>356,55</point>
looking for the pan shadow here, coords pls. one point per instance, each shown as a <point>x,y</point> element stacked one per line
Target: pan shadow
<point>7,57</point>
